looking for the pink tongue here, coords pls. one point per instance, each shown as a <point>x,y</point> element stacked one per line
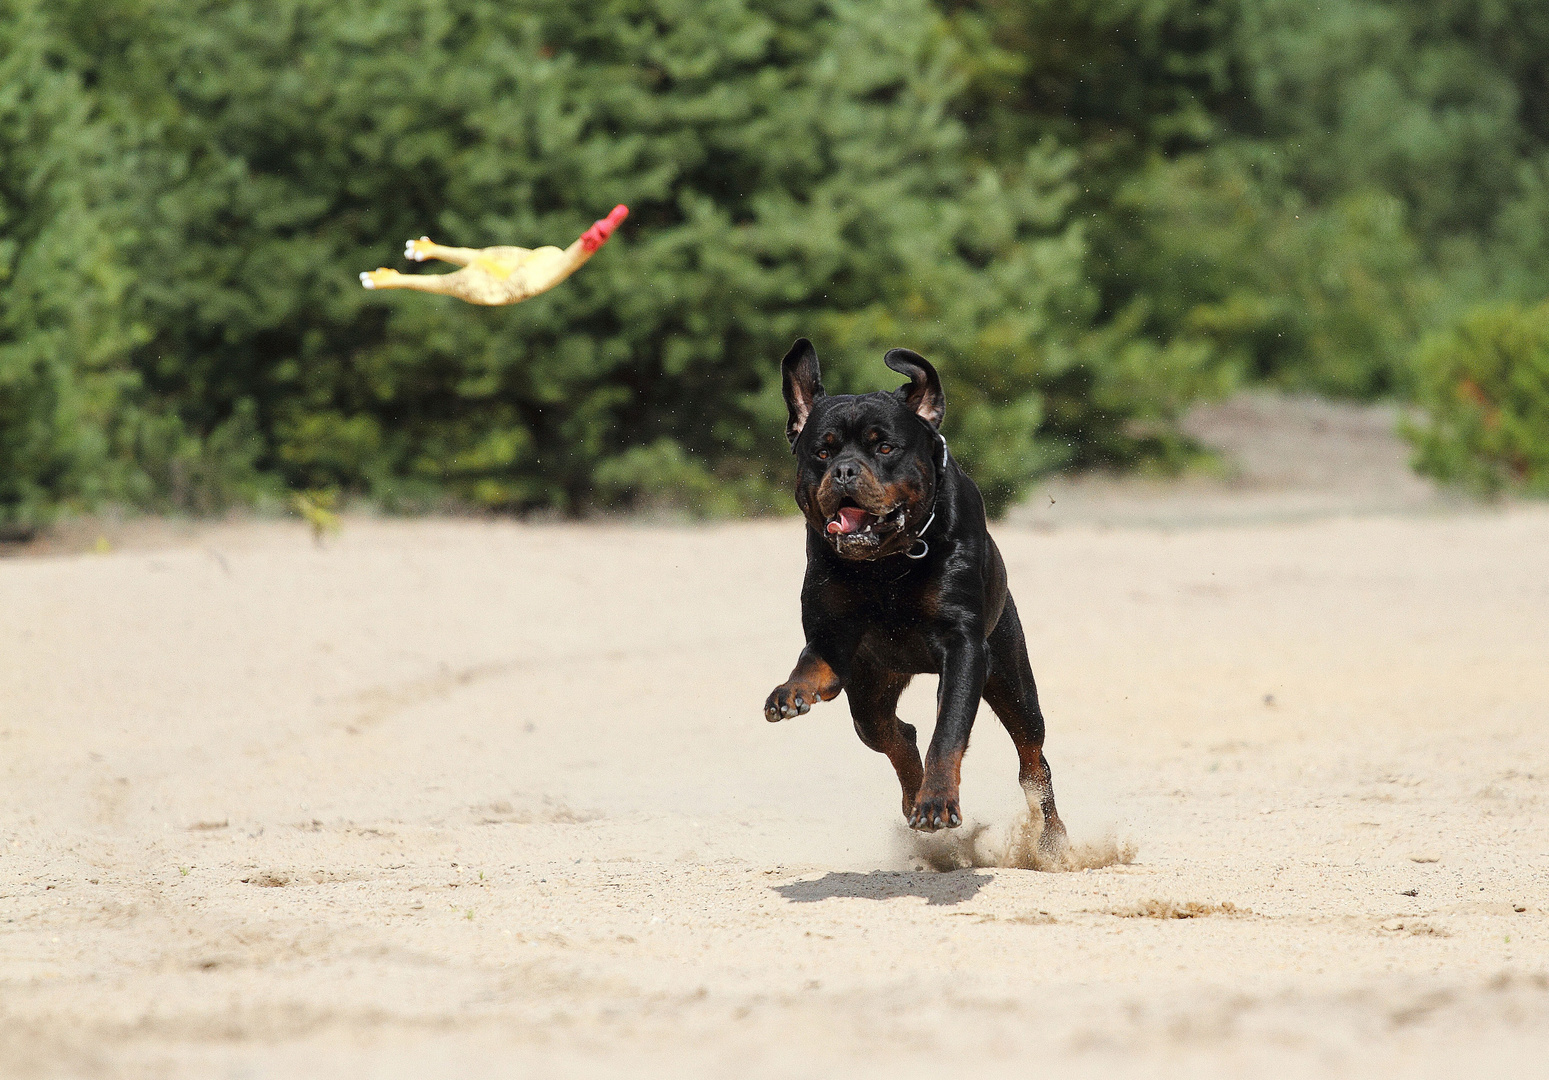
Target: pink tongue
<point>850,519</point>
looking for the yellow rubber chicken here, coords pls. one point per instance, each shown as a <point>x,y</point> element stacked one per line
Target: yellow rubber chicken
<point>497,275</point>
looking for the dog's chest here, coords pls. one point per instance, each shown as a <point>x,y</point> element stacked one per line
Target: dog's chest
<point>899,650</point>
<point>896,624</point>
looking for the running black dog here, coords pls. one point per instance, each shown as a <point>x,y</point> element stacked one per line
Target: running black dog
<point>902,577</point>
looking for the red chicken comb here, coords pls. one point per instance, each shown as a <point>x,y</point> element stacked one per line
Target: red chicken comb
<point>598,234</point>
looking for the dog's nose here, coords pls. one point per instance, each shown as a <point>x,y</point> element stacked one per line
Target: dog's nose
<point>846,473</point>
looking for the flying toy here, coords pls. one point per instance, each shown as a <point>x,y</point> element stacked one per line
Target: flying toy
<point>497,275</point>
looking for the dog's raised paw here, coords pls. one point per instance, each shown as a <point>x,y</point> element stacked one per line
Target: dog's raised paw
<point>786,701</point>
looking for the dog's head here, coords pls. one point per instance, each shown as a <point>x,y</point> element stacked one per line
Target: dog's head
<point>866,463</point>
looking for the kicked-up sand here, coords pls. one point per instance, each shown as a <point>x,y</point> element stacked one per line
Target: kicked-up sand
<point>447,798</point>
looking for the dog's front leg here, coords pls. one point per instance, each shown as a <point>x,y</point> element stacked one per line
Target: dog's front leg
<point>811,681</point>
<point>964,667</point>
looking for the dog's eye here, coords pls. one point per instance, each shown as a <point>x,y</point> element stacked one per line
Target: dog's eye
<point>822,455</point>
<point>885,448</point>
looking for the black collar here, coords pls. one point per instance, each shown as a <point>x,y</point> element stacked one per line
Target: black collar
<point>941,475</point>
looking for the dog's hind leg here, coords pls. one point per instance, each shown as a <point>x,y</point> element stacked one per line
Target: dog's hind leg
<point>874,694</point>
<point>1011,692</point>
<point>811,681</point>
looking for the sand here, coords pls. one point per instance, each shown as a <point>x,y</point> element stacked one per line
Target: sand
<point>458,798</point>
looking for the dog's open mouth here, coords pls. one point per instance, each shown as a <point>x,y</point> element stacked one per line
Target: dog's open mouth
<point>851,522</point>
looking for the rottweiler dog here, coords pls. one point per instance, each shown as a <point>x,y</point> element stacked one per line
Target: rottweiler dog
<point>902,577</point>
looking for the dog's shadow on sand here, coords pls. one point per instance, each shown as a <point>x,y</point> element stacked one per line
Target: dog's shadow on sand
<point>938,890</point>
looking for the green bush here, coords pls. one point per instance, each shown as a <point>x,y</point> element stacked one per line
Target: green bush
<point>1087,213</point>
<point>792,166</point>
<point>1308,186</point>
<point>1485,387</point>
<point>62,343</point>
<point>1328,298</point>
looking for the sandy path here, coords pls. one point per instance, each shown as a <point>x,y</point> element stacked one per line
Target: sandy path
<point>452,797</point>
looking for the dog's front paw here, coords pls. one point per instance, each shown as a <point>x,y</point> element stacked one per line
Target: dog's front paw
<point>788,700</point>
<point>932,812</point>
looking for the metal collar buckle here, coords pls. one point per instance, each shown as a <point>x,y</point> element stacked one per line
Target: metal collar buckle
<point>918,542</point>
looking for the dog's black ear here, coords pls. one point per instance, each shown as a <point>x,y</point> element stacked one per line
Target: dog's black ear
<point>803,385</point>
<point>922,392</point>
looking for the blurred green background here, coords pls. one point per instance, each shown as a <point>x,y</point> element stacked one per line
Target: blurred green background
<point>1087,213</point>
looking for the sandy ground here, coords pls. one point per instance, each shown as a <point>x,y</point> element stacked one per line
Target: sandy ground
<point>459,798</point>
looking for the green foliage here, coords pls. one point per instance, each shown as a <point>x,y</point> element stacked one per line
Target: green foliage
<point>60,339</point>
<point>1308,186</point>
<point>1485,385</point>
<point>792,167</point>
<point>1086,213</point>
<point>1322,297</point>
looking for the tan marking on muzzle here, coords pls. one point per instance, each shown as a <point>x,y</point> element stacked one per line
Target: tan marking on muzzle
<point>867,492</point>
